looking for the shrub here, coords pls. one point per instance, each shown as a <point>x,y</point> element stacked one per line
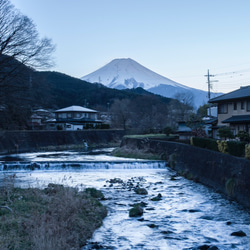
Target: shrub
<point>226,133</point>
<point>222,146</point>
<point>247,151</point>
<point>168,130</point>
<point>94,193</point>
<point>236,148</point>
<point>204,143</point>
<point>192,141</point>
<point>243,136</point>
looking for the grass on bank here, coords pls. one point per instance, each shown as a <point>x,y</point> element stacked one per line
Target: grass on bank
<point>160,136</point>
<point>143,153</point>
<point>56,217</point>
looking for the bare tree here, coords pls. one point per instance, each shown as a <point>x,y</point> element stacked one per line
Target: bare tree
<point>186,101</point>
<point>143,114</point>
<point>120,113</point>
<point>20,41</point>
<point>22,51</point>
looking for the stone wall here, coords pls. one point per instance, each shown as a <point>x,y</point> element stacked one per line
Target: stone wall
<point>224,173</point>
<point>26,141</point>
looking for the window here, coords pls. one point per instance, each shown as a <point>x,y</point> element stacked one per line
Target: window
<point>223,108</point>
<point>242,105</point>
<point>248,105</point>
<point>235,105</point>
<point>62,115</point>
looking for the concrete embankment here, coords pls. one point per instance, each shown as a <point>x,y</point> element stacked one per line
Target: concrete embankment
<point>224,173</point>
<point>26,141</point>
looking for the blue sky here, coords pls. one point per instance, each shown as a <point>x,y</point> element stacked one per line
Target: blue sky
<point>179,39</point>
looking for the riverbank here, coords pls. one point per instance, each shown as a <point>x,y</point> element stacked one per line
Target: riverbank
<point>224,173</point>
<point>56,217</point>
<point>35,141</point>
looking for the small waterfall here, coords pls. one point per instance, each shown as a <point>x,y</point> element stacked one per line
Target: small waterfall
<point>77,165</point>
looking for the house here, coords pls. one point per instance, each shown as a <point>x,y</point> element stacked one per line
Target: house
<point>234,110</point>
<point>74,118</point>
<point>35,122</point>
<point>184,131</point>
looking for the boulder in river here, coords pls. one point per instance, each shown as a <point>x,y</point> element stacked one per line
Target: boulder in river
<point>157,198</point>
<point>239,234</point>
<point>136,211</point>
<point>141,191</point>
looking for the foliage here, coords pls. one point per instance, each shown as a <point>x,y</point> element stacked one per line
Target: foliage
<point>94,193</point>
<point>57,217</point>
<point>226,133</point>
<point>168,130</point>
<point>194,121</point>
<point>143,114</point>
<point>243,136</point>
<point>223,146</point>
<point>199,132</point>
<point>202,110</point>
<point>247,151</point>
<point>192,141</point>
<point>236,148</point>
<point>204,143</point>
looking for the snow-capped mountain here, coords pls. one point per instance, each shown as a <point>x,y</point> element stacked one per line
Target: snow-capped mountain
<point>127,73</point>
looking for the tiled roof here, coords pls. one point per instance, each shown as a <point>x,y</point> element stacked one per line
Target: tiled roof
<point>76,109</point>
<point>243,92</point>
<point>237,119</point>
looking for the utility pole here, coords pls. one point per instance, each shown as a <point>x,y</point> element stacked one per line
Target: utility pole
<point>209,89</point>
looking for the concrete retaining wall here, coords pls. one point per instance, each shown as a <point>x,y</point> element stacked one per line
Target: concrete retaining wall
<point>227,174</point>
<point>25,141</point>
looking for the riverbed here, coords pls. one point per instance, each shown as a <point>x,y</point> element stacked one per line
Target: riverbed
<point>187,215</point>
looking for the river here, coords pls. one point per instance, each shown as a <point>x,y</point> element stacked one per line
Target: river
<point>188,215</point>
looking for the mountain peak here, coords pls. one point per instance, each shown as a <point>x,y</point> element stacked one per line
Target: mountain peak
<point>127,73</point>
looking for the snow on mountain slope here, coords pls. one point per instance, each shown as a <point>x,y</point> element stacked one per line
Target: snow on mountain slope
<point>127,73</point>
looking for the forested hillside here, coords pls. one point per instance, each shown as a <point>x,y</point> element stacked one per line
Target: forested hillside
<point>28,90</point>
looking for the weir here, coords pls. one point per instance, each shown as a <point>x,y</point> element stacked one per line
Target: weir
<point>79,165</point>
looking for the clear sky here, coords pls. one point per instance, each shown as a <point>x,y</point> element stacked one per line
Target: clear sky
<point>179,39</point>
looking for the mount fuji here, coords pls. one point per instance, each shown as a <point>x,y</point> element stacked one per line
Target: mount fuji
<point>127,73</point>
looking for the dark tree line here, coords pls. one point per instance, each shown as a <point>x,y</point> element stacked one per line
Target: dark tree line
<point>144,114</point>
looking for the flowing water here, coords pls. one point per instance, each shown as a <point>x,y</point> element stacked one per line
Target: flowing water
<point>188,215</point>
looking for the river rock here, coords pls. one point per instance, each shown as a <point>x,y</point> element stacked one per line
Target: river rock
<point>203,247</point>
<point>157,198</point>
<point>152,225</point>
<point>141,191</point>
<point>116,180</point>
<point>239,234</point>
<point>136,211</point>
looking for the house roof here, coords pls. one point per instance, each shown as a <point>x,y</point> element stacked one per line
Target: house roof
<point>211,120</point>
<point>243,92</point>
<point>237,119</point>
<point>76,109</point>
